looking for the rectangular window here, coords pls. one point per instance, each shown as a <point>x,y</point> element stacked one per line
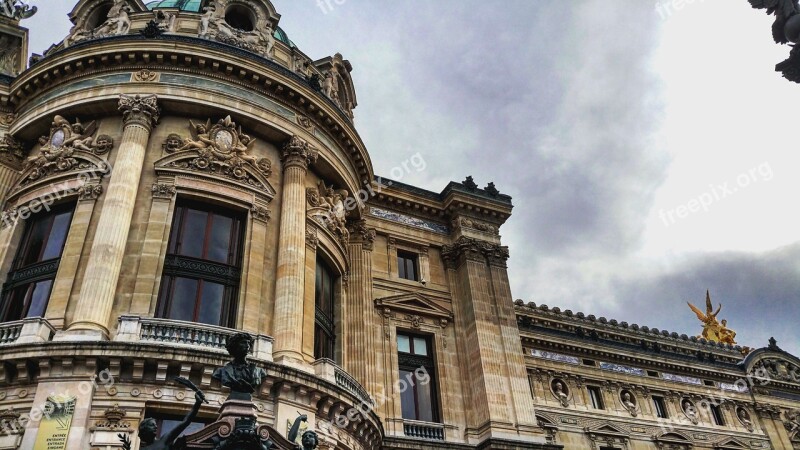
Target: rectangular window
<point>408,265</point>
<point>661,407</point>
<point>596,396</point>
<point>418,395</point>
<point>716,413</point>
<point>27,289</point>
<point>202,268</point>
<point>325,297</point>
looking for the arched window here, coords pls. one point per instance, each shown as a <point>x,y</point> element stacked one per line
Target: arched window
<point>27,289</point>
<point>203,266</point>
<point>324,329</point>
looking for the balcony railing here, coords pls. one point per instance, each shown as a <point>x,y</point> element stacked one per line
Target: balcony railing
<point>10,331</point>
<point>424,430</point>
<point>190,334</point>
<point>25,331</point>
<point>328,370</point>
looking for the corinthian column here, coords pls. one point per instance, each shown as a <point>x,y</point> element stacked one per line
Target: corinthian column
<point>359,322</point>
<point>297,155</point>
<point>93,311</point>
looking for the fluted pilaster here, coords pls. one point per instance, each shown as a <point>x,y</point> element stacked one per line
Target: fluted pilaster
<point>359,322</point>
<point>105,259</point>
<point>296,156</point>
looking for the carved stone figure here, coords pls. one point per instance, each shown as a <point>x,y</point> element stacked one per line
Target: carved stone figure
<point>561,394</point>
<point>628,403</point>
<point>16,9</point>
<point>744,418</point>
<point>309,440</point>
<point>9,55</point>
<point>209,14</point>
<point>165,20</point>
<point>327,208</point>
<point>792,422</point>
<point>269,41</point>
<point>690,411</point>
<point>57,151</point>
<point>118,21</point>
<point>242,377</point>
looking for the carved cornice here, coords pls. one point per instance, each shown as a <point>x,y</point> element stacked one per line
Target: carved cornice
<point>361,234</point>
<point>138,110</point>
<point>298,153</point>
<point>468,249</point>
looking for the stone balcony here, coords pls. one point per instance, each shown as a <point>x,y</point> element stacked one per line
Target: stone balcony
<point>25,331</point>
<point>186,334</point>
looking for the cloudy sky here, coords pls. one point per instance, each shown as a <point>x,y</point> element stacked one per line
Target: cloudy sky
<point>651,151</point>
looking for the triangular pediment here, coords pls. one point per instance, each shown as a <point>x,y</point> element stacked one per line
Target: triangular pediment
<point>607,429</point>
<point>414,303</point>
<point>730,443</point>
<point>244,175</point>
<point>673,437</point>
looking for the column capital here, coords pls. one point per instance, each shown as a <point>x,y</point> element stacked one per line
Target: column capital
<point>138,110</point>
<point>360,234</point>
<point>474,250</point>
<point>298,153</point>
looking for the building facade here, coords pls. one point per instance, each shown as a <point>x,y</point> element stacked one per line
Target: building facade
<point>176,171</point>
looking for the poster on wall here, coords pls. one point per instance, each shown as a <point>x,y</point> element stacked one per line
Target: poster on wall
<point>56,421</point>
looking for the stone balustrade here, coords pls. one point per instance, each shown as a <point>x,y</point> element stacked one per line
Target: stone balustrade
<point>423,430</point>
<point>25,331</point>
<point>190,334</point>
<point>328,370</point>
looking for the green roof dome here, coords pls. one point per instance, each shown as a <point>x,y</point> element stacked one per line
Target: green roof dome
<point>183,5</point>
<point>194,6</point>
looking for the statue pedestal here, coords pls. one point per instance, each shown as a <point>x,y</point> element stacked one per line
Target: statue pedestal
<point>237,409</point>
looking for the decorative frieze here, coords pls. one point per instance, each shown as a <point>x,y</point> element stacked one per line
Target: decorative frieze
<point>555,356</point>
<point>408,220</point>
<point>474,250</point>
<point>622,369</point>
<point>90,192</point>
<point>260,213</point>
<point>145,76</point>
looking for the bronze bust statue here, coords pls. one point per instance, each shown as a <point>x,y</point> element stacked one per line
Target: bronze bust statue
<point>310,441</point>
<point>241,376</point>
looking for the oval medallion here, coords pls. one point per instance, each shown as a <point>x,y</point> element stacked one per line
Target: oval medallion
<point>224,140</point>
<point>58,139</point>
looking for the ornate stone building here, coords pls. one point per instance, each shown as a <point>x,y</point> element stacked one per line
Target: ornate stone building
<point>174,171</point>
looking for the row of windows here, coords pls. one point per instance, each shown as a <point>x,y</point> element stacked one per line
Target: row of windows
<point>660,406</point>
<point>201,276</point>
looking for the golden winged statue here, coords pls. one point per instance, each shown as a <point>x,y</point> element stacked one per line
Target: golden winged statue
<point>712,329</point>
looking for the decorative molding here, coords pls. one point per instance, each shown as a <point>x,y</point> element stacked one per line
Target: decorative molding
<point>312,239</point>
<point>90,192</point>
<point>7,119</point>
<point>11,151</point>
<point>408,220</point>
<point>476,225</point>
<point>145,76</point>
<point>261,213</point>
<point>113,420</point>
<point>138,110</point>
<point>305,122</point>
<point>298,153</point>
<point>166,191</point>
<point>416,321</point>
<point>415,306</point>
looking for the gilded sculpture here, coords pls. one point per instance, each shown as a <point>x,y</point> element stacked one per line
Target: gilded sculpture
<point>713,330</point>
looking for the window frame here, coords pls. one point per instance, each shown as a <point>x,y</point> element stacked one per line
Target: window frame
<point>406,258</point>
<point>410,362</point>
<point>716,415</point>
<point>660,407</point>
<point>325,321</point>
<point>203,270</point>
<point>596,397</point>
<point>30,275</point>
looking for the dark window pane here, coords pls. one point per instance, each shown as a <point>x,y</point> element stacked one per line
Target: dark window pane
<point>184,296</point>
<point>57,236</point>
<point>168,425</point>
<point>411,270</point>
<point>407,399</point>
<point>211,303</point>
<point>38,299</point>
<point>15,303</point>
<point>35,242</point>
<point>194,231</point>
<point>219,245</point>
<point>401,267</point>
